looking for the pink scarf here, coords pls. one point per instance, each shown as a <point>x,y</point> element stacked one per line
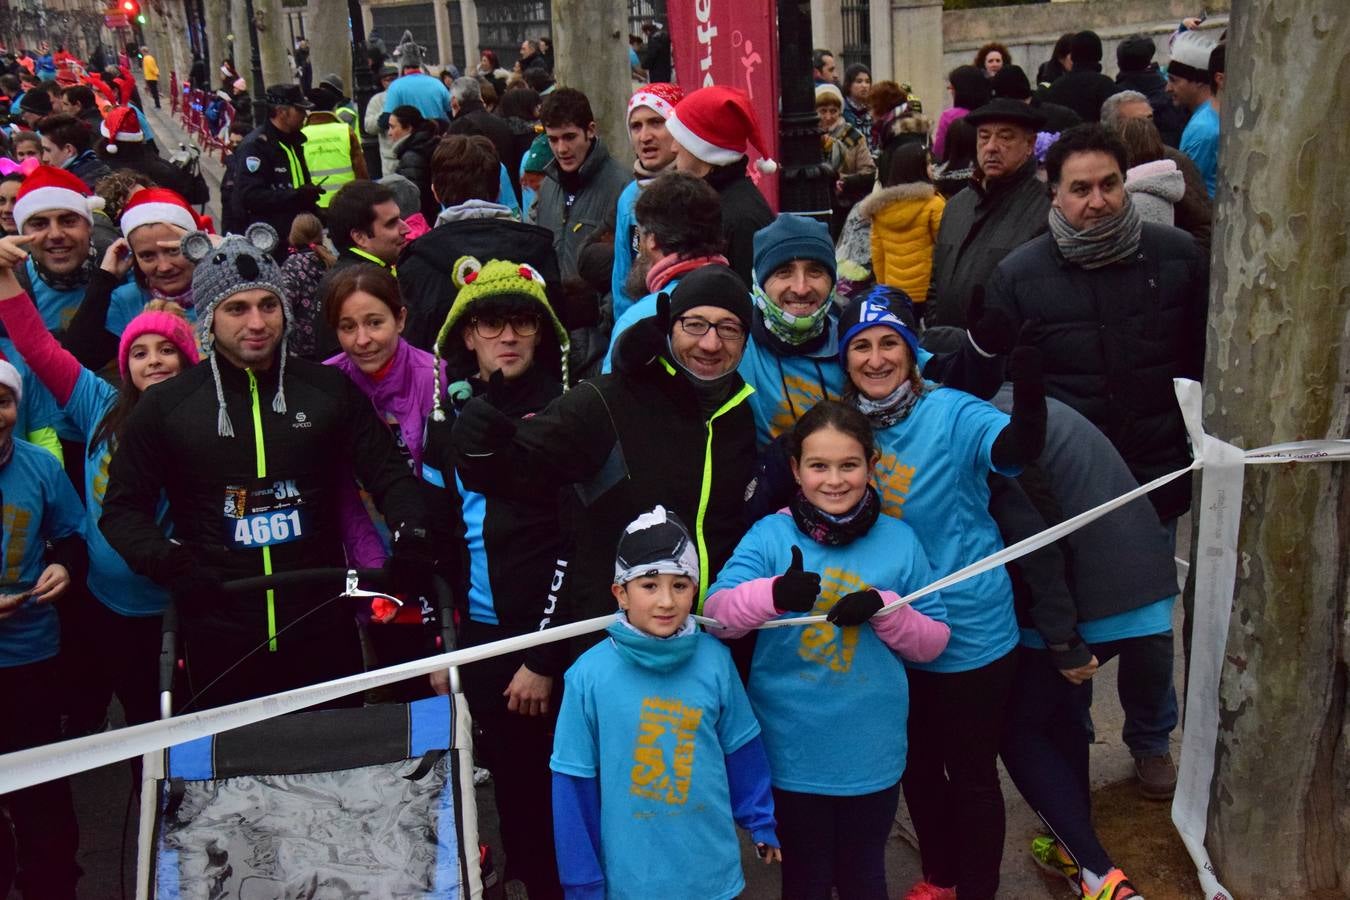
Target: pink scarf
<point>670,267</point>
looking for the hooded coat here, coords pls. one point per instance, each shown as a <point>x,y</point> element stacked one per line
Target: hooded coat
<point>905,222</point>
<point>1154,188</point>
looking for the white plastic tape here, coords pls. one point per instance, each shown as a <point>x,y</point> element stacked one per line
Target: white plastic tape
<point>1215,554</point>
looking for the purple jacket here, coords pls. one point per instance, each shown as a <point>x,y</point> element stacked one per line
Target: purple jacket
<point>403,399</point>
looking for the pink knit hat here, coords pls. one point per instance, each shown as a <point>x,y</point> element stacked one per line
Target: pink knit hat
<point>166,324</point>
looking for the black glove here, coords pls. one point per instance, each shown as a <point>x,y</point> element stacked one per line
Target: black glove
<point>992,330</point>
<point>1022,441</point>
<point>796,590</point>
<point>412,564</point>
<point>481,428</point>
<point>309,194</point>
<point>855,608</point>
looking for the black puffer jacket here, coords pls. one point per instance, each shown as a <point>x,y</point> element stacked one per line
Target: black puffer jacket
<point>170,447</point>
<point>979,227</point>
<point>744,211</point>
<point>1113,340</point>
<point>628,441</point>
<point>414,163</point>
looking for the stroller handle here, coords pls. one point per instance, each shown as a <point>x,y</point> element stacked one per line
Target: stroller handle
<point>299,577</point>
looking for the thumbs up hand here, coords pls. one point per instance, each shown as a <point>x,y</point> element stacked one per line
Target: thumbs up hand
<point>796,589</point>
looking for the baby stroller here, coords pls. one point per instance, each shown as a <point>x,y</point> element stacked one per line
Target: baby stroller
<point>336,803</point>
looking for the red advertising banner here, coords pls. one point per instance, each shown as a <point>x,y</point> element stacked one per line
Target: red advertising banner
<point>732,43</point>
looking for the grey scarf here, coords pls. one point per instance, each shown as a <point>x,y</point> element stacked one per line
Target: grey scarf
<point>1107,242</point>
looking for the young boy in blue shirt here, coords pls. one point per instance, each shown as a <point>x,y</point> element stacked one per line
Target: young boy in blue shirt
<point>656,721</point>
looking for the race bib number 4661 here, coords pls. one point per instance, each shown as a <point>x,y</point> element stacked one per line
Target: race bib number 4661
<point>264,513</point>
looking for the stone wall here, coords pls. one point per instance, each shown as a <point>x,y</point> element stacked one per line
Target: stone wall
<point>1030,32</point>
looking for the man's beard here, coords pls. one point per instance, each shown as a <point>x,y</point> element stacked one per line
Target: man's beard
<point>635,285</point>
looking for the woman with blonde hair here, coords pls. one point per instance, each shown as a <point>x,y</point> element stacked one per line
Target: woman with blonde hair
<point>309,258</point>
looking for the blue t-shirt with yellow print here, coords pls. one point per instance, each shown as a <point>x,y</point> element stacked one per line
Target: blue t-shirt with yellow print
<point>933,474</point>
<point>40,505</point>
<point>658,742</point>
<point>833,702</point>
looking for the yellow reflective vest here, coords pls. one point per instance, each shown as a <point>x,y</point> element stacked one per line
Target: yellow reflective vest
<point>328,153</point>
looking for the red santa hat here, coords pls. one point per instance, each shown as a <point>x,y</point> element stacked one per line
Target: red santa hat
<point>121,125</point>
<point>51,188</point>
<point>150,206</point>
<point>660,96</point>
<point>715,124</point>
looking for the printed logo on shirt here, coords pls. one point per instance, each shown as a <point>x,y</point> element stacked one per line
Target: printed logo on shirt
<point>893,481</point>
<point>823,643</point>
<point>664,756</point>
<point>101,476</point>
<point>301,420</point>
<point>18,521</point>
<point>799,395</point>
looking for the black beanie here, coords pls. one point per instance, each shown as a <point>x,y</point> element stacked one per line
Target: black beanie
<point>1086,48</point>
<point>712,285</point>
<point>1011,83</point>
<point>1135,53</point>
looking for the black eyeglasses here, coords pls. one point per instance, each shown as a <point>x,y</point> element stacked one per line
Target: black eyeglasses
<point>523,324</point>
<point>726,330</point>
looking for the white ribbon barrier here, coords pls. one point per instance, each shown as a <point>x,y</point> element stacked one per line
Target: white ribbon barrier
<point>1215,555</point>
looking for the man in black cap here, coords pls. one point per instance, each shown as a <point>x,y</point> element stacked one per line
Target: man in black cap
<point>1083,88</point>
<point>1138,72</point>
<point>1007,207</point>
<point>271,178</point>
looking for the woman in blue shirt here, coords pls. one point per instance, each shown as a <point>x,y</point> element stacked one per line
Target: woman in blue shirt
<point>832,696</point>
<point>938,447</point>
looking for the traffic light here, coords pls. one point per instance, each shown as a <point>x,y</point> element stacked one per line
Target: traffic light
<point>131,8</point>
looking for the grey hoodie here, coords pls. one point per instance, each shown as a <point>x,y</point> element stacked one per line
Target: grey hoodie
<point>1154,187</point>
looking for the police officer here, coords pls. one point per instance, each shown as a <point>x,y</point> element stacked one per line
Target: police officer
<point>272,182</point>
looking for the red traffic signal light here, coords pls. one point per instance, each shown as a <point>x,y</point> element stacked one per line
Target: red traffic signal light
<point>130,7</point>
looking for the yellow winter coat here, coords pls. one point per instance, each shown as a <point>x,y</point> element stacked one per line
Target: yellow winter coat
<point>905,221</point>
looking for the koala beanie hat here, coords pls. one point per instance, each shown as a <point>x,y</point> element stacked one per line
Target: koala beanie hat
<point>240,263</point>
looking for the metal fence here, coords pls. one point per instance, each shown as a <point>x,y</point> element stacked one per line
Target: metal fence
<point>503,24</point>
<point>857,16</point>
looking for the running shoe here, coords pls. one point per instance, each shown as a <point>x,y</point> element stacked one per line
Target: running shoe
<point>1115,886</point>
<point>926,890</point>
<point>1051,856</point>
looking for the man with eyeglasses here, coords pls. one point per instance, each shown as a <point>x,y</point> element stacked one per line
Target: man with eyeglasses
<point>670,425</point>
<point>502,331</point>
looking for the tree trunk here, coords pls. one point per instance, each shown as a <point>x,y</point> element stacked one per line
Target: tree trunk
<point>273,42</point>
<point>1278,369</point>
<point>590,43</point>
<point>330,43</point>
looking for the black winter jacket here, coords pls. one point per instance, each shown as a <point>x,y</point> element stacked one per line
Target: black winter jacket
<point>1082,90</point>
<point>517,542</point>
<point>626,442</point>
<point>1114,338</point>
<point>744,211</point>
<point>170,446</point>
<point>979,227</point>
<point>414,163</point>
<point>160,171</point>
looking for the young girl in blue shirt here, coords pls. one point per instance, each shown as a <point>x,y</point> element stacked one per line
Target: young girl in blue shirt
<point>938,448</point>
<point>40,509</point>
<point>655,721</point>
<point>832,697</point>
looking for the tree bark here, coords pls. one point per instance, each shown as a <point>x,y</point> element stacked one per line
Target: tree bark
<point>330,43</point>
<point>1278,369</point>
<point>590,43</point>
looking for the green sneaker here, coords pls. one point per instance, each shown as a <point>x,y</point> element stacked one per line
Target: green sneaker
<point>1051,856</point>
